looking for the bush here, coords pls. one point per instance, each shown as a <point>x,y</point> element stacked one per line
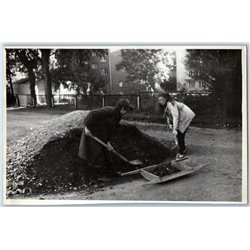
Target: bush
<point>208,112</point>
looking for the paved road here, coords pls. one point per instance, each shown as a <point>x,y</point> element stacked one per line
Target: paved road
<point>21,123</point>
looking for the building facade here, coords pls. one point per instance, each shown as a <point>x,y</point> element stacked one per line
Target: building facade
<point>98,69</point>
<point>21,88</point>
<point>119,84</point>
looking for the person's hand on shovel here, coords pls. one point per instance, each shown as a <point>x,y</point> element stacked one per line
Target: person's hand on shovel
<point>110,147</point>
<point>87,131</point>
<point>175,133</point>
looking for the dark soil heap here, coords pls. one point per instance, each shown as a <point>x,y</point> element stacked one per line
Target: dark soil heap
<point>162,171</point>
<point>47,159</point>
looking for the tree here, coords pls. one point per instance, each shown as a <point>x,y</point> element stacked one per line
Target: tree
<point>10,69</point>
<point>72,71</point>
<point>97,85</point>
<point>221,70</point>
<point>170,84</point>
<point>146,66</point>
<point>25,61</point>
<point>30,58</point>
<point>45,56</point>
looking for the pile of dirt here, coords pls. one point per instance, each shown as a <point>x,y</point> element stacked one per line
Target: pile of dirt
<point>162,171</point>
<point>47,161</point>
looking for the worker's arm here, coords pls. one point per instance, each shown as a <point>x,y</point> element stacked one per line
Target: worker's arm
<point>170,125</point>
<point>175,114</point>
<point>88,133</point>
<point>166,115</point>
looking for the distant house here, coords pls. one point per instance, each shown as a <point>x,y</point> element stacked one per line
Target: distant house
<point>22,89</point>
<point>195,85</point>
<point>185,78</point>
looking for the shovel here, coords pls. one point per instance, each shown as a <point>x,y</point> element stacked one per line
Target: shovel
<point>134,162</point>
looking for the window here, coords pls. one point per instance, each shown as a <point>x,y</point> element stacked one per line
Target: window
<point>120,84</point>
<point>196,73</point>
<point>103,59</point>
<point>191,84</point>
<point>201,84</point>
<point>86,62</point>
<point>93,53</point>
<point>85,74</point>
<point>93,66</point>
<point>190,73</point>
<point>104,72</point>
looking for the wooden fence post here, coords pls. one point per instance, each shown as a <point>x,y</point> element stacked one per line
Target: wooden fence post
<point>52,101</point>
<point>75,101</point>
<point>139,101</point>
<point>103,100</point>
<point>17,100</point>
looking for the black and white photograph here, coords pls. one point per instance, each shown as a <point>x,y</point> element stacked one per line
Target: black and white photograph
<point>129,124</point>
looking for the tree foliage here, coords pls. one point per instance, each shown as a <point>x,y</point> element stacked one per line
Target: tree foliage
<point>24,61</point>
<point>10,69</point>
<point>72,71</point>
<point>146,66</point>
<point>170,84</point>
<point>221,70</point>
<point>61,66</point>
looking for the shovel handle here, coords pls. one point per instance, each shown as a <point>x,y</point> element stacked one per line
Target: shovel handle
<point>107,147</point>
<point>122,157</point>
<point>98,140</point>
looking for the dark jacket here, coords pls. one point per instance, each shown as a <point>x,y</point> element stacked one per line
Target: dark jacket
<point>101,123</point>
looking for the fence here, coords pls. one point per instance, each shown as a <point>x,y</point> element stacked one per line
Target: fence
<point>208,110</point>
<point>144,101</point>
<point>96,101</point>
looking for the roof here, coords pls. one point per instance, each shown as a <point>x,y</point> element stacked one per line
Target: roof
<point>21,81</point>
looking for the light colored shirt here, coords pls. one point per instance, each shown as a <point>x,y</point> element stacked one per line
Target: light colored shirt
<point>182,115</point>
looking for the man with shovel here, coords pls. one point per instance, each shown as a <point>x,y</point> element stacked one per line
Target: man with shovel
<point>100,124</point>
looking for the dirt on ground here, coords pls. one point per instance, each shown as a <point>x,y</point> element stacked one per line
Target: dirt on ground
<point>220,181</point>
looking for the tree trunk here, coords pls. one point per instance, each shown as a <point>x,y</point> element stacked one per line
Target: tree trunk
<point>77,90</point>
<point>32,79</point>
<point>47,76</point>
<point>224,110</point>
<point>11,86</point>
